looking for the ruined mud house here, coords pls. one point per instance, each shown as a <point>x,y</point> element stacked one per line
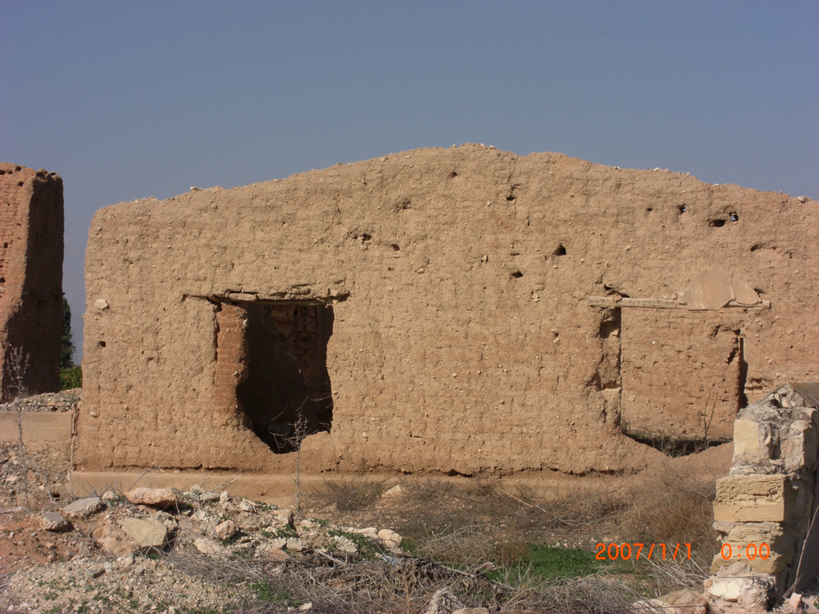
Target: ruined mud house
<point>31,280</point>
<point>461,310</point>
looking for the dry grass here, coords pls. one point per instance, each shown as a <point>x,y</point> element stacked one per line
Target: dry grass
<point>671,507</point>
<point>406,585</point>
<point>472,522</point>
<point>350,493</point>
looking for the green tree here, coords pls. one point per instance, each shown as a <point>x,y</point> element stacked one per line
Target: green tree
<point>67,359</point>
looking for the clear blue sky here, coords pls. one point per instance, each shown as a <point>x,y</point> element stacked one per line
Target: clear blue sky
<point>127,100</point>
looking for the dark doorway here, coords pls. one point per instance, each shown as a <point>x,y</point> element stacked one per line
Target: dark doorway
<point>287,393</point>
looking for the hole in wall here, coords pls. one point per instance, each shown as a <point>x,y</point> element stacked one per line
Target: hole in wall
<point>101,344</point>
<point>716,223</point>
<point>516,274</point>
<point>286,393</point>
<point>560,251</point>
<point>394,247</point>
<point>20,183</point>
<point>649,209</point>
<point>681,209</point>
<point>453,174</point>
<point>510,198</point>
<point>675,447</point>
<point>734,216</point>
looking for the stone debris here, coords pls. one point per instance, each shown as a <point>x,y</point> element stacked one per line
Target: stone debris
<point>146,533</point>
<point>208,546</point>
<point>685,601</point>
<point>112,539</point>
<point>225,530</point>
<point>763,508</point>
<point>395,490</point>
<point>390,538</point>
<point>444,602</point>
<point>83,507</point>
<point>295,544</point>
<point>346,545</point>
<point>155,497</point>
<point>45,402</point>
<point>53,521</point>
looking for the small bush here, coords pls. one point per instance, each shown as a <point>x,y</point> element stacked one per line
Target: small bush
<point>70,378</point>
<point>349,493</point>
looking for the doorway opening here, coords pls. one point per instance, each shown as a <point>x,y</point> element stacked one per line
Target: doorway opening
<point>281,384</point>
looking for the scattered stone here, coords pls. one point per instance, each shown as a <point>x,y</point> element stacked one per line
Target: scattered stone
<point>471,611</point>
<point>94,572</point>
<point>224,497</point>
<point>344,544</point>
<point>279,542</point>
<point>83,507</point>
<point>208,546</point>
<point>395,490</point>
<point>225,530</point>
<point>155,497</point>
<point>108,567</point>
<point>147,533</point>
<point>113,539</point>
<point>109,495</point>
<point>295,544</point>
<point>284,517</point>
<point>370,532</point>
<point>53,521</point>
<point>205,497</point>
<point>444,602</point>
<point>389,538</point>
<point>685,601</point>
<point>273,553</point>
<point>167,520</point>
<point>247,506</point>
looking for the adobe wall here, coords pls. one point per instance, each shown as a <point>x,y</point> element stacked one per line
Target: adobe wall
<point>31,276</point>
<point>484,313</point>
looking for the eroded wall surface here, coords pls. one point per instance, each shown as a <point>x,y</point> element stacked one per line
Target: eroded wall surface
<point>463,335</point>
<point>31,277</point>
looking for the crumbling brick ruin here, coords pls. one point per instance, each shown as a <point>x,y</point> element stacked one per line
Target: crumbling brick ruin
<point>460,310</point>
<point>31,280</point>
<point>766,508</point>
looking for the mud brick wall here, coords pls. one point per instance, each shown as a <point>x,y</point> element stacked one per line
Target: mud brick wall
<point>463,339</point>
<point>681,372</point>
<point>31,277</point>
<point>769,497</point>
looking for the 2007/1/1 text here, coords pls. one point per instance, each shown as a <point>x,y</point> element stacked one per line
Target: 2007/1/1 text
<point>626,551</point>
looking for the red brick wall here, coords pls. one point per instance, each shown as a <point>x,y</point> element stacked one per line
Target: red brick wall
<point>31,271</point>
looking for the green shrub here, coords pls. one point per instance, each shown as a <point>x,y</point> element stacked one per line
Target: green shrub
<point>70,378</point>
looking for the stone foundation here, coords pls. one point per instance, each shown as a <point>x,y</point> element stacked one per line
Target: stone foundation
<point>766,507</point>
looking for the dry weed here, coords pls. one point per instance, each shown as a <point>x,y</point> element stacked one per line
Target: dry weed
<point>468,545</point>
<point>350,493</point>
<point>672,507</point>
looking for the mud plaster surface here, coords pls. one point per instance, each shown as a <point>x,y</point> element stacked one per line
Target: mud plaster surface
<point>462,339</point>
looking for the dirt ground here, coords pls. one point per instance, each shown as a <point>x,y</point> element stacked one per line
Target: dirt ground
<point>467,521</point>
